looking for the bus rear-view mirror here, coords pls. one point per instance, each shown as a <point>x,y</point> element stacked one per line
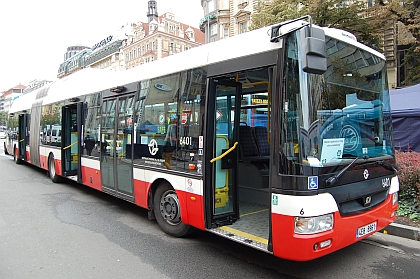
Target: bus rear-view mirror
<point>313,51</point>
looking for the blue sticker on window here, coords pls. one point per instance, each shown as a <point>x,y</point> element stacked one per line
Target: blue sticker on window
<point>312,182</point>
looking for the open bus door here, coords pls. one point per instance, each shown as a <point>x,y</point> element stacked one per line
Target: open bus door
<point>221,180</point>
<point>69,136</point>
<point>22,138</point>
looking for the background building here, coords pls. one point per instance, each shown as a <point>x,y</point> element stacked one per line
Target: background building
<point>8,96</point>
<point>73,60</point>
<point>161,37</point>
<point>226,18</point>
<point>134,44</point>
<point>106,53</point>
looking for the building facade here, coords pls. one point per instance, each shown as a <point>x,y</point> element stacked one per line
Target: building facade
<point>159,38</point>
<point>226,18</point>
<point>7,97</point>
<point>106,53</point>
<point>135,44</point>
<point>73,60</point>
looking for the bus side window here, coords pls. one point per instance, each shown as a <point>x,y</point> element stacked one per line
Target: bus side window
<point>91,126</point>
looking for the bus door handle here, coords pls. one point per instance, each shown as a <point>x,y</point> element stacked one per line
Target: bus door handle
<point>229,161</point>
<point>228,157</point>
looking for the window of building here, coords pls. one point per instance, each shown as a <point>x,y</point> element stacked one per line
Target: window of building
<point>213,29</point>
<point>225,33</point>
<point>243,27</point>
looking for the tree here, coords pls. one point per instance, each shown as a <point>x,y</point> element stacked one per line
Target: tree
<point>3,118</point>
<point>407,13</point>
<point>331,13</point>
<point>274,12</point>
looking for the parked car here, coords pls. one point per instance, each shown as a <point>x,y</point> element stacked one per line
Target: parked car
<point>2,135</point>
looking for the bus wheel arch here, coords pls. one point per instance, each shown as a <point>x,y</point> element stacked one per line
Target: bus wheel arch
<point>167,210</point>
<point>52,171</point>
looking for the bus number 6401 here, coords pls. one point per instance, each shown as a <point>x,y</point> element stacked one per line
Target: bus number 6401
<point>185,141</point>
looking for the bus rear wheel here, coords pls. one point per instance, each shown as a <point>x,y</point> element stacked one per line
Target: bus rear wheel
<point>5,149</point>
<point>16,157</point>
<point>52,171</point>
<point>168,212</point>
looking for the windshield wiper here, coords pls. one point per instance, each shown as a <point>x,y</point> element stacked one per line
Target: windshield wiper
<point>383,164</point>
<point>333,179</point>
<point>386,165</point>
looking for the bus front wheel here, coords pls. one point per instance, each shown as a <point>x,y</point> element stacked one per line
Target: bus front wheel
<point>52,171</point>
<point>167,211</point>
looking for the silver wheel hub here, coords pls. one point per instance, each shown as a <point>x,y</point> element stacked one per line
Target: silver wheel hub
<point>52,168</point>
<point>169,208</point>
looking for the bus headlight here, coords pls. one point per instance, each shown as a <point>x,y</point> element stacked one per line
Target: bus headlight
<point>394,198</point>
<point>311,225</point>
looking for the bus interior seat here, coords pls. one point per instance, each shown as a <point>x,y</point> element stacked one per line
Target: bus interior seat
<point>253,169</point>
<point>261,138</point>
<point>248,146</point>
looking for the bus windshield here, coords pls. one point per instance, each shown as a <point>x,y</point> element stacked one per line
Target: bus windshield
<point>343,114</point>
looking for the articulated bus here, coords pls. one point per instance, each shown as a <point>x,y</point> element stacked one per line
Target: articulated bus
<point>279,139</point>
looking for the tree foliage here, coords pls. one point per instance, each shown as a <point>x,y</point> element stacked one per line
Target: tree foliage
<point>274,12</point>
<point>368,24</point>
<point>330,13</point>
<point>407,13</point>
<point>3,118</point>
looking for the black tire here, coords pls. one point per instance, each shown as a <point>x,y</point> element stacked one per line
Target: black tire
<point>167,211</point>
<point>16,157</point>
<point>52,171</point>
<point>5,149</point>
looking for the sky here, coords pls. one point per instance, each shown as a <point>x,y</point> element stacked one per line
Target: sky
<point>35,34</point>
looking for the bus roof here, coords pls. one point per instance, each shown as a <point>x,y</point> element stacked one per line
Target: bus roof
<point>91,80</point>
<point>349,38</point>
<point>80,83</point>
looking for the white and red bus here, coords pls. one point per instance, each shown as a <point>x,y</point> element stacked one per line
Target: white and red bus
<point>279,138</point>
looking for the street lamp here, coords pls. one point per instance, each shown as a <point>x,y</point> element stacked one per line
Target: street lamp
<point>208,20</point>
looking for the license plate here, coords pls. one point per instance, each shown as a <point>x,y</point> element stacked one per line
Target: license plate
<point>366,229</point>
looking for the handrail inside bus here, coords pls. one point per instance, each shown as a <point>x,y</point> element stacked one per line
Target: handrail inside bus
<point>68,146</point>
<point>224,154</point>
